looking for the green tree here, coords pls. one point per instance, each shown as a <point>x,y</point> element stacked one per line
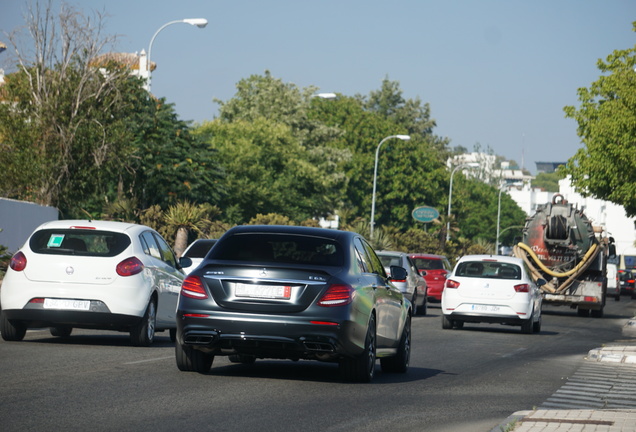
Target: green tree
<point>547,181</point>
<point>606,166</point>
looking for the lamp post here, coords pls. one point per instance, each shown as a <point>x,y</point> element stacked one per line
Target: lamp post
<point>450,194</point>
<point>501,189</point>
<point>199,22</point>
<point>375,177</point>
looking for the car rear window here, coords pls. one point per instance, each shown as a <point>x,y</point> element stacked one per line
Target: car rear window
<point>279,248</point>
<point>388,261</point>
<point>428,264</point>
<point>484,269</point>
<point>78,242</point>
<point>200,249</point>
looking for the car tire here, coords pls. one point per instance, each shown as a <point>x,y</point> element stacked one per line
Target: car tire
<point>173,334</point>
<point>12,331</point>
<point>415,309</point>
<point>362,367</point>
<point>242,358</point>
<point>617,297</point>
<point>192,360</point>
<point>458,324</point>
<point>143,333</point>
<point>583,312</point>
<point>421,311</point>
<point>400,362</point>
<point>447,323</point>
<point>527,326</point>
<point>63,331</point>
<point>536,326</point>
<point>597,313</point>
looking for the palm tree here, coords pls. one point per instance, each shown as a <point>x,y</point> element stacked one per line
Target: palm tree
<point>182,218</point>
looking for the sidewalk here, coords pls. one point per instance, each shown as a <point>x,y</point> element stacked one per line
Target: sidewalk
<point>586,420</point>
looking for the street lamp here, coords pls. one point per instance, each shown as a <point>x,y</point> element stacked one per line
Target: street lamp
<point>199,22</point>
<point>501,189</point>
<point>450,194</point>
<point>375,177</point>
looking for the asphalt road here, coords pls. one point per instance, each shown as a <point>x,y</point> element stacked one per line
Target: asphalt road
<point>459,380</point>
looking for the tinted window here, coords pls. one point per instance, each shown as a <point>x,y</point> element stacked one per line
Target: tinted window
<point>484,269</point>
<point>361,257</point>
<point>283,248</point>
<point>78,242</point>
<point>388,261</point>
<point>167,255</point>
<point>374,261</point>
<point>429,264</point>
<point>200,248</point>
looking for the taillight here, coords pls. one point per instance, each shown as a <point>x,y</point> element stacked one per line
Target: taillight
<point>130,266</point>
<point>451,284</point>
<point>398,280</point>
<point>18,262</point>
<point>193,287</point>
<point>337,295</point>
<point>522,288</point>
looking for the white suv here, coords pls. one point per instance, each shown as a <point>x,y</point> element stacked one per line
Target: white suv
<point>95,275</point>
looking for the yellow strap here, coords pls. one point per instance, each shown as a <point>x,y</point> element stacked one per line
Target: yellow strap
<point>553,273</point>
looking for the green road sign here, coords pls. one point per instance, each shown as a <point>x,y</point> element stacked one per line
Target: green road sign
<point>425,214</point>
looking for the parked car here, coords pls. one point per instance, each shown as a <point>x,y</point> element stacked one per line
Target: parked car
<point>94,275</point>
<point>492,289</point>
<point>435,269</point>
<point>288,292</point>
<point>414,286</point>
<point>627,282</point>
<point>613,282</point>
<point>196,251</point>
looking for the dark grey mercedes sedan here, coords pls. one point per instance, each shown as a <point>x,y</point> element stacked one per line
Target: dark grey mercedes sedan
<point>287,292</point>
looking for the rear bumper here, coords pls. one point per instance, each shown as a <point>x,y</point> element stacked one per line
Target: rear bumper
<point>271,337</point>
<point>492,319</point>
<point>34,317</point>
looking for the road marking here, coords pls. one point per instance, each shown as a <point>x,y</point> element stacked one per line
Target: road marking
<point>514,353</point>
<point>149,360</point>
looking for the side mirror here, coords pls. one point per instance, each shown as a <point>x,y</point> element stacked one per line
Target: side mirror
<point>398,273</point>
<point>185,262</point>
<point>423,273</point>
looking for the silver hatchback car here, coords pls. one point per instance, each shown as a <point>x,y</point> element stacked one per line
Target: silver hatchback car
<point>414,286</point>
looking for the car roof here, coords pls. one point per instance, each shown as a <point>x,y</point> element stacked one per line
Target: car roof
<point>92,224</point>
<point>290,229</point>
<point>391,253</point>
<point>492,258</point>
<point>426,256</point>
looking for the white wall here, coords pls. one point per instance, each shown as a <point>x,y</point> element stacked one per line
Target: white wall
<point>18,219</point>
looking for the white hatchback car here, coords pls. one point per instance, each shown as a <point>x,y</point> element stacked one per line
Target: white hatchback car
<point>94,275</point>
<point>492,289</point>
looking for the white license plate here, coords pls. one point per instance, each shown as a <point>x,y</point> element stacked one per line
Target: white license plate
<point>67,304</point>
<point>485,308</point>
<point>263,291</point>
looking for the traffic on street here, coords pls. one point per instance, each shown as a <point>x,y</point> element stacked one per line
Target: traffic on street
<point>468,379</point>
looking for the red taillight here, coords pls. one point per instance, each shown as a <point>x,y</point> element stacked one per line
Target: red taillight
<point>193,287</point>
<point>337,295</point>
<point>18,262</point>
<point>130,266</point>
<point>522,288</point>
<point>631,281</point>
<point>398,280</point>
<point>451,284</point>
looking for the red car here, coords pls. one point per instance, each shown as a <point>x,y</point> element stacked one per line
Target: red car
<point>434,268</point>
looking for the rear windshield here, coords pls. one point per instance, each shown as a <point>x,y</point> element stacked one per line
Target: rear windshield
<point>428,264</point>
<point>79,242</point>
<point>388,261</point>
<point>279,248</point>
<point>625,275</point>
<point>200,248</point>
<point>485,269</point>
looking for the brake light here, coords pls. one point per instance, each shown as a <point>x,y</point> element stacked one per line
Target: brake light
<point>451,284</point>
<point>522,288</point>
<point>130,267</point>
<point>337,295</point>
<point>398,280</point>
<point>18,262</point>
<point>193,287</point>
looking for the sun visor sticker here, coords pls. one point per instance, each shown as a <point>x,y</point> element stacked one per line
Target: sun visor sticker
<point>55,241</point>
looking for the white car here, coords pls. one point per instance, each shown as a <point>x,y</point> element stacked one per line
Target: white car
<point>492,289</point>
<point>94,275</point>
<point>196,251</point>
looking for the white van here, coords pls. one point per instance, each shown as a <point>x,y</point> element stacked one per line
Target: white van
<point>613,284</point>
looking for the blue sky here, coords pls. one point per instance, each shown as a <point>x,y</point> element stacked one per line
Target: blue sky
<point>495,72</point>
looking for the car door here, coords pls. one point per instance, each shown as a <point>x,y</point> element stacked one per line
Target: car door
<point>388,300</point>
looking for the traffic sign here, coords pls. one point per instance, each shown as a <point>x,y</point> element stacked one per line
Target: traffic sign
<point>425,214</point>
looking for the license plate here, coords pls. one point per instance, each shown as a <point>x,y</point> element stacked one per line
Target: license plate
<point>485,308</point>
<point>67,304</point>
<point>263,291</point>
